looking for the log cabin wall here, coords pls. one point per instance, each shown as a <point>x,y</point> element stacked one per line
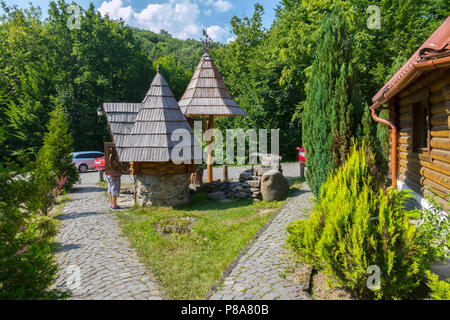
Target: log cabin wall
<point>424,144</point>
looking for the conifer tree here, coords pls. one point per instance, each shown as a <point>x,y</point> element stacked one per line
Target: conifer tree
<point>331,111</point>
<point>54,156</point>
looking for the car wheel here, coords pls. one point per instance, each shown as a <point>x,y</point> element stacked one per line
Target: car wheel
<point>83,168</point>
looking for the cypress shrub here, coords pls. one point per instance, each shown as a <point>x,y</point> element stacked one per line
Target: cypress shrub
<point>331,110</point>
<point>356,225</point>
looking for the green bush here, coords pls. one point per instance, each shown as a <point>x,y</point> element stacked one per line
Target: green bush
<point>27,269</point>
<point>356,225</point>
<point>440,290</point>
<point>434,232</point>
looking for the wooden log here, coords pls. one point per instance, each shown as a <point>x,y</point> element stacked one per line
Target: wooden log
<point>419,95</point>
<point>405,131</point>
<point>440,198</point>
<point>440,143</point>
<point>441,190</point>
<point>410,174</point>
<point>435,165</point>
<point>405,116</point>
<point>405,109</point>
<point>410,183</point>
<point>439,120</point>
<point>440,83</point>
<point>440,131</point>
<point>410,166</point>
<point>421,82</point>
<point>405,140</point>
<point>440,96</point>
<point>405,124</point>
<point>443,155</point>
<point>405,148</point>
<point>436,177</point>
<point>440,108</point>
<point>162,168</point>
<point>414,155</point>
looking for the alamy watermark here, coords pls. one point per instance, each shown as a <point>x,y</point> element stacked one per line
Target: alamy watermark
<point>374,280</point>
<point>188,149</point>
<point>74,21</point>
<point>73,273</point>
<point>374,20</point>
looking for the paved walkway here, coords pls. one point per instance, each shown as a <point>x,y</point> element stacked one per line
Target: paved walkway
<point>261,272</point>
<point>93,245</point>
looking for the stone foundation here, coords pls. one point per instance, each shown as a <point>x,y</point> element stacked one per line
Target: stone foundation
<point>166,190</point>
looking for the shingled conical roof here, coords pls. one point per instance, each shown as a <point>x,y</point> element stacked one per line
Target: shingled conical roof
<point>150,138</point>
<point>207,93</point>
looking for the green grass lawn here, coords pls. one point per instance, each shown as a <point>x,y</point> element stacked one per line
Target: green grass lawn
<point>188,248</point>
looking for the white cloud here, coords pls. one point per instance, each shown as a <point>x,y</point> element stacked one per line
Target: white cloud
<point>218,5</point>
<point>222,5</point>
<point>116,10</point>
<point>178,17</point>
<point>231,39</point>
<point>217,33</point>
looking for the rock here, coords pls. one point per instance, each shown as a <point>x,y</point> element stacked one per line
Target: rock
<point>239,188</point>
<point>247,174</point>
<point>274,186</point>
<point>261,170</point>
<point>218,195</point>
<point>254,190</point>
<point>242,195</point>
<point>254,183</point>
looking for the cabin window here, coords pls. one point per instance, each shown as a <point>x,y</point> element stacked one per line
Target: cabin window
<point>420,124</point>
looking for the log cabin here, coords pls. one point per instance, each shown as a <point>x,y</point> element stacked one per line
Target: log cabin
<point>418,100</point>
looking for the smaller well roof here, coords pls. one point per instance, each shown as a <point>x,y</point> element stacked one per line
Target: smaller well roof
<point>143,131</point>
<point>207,94</point>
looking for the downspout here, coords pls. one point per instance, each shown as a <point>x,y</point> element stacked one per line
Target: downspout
<point>393,143</point>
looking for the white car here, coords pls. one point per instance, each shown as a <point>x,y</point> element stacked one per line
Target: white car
<point>85,160</point>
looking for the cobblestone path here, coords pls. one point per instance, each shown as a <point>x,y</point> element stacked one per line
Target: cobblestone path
<point>261,272</point>
<point>91,240</point>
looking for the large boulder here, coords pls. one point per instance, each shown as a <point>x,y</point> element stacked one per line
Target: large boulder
<point>274,186</point>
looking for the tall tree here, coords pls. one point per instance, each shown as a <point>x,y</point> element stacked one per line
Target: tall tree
<point>329,117</point>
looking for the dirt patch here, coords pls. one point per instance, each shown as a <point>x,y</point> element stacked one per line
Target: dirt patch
<point>171,226</point>
<point>321,290</point>
<point>263,212</point>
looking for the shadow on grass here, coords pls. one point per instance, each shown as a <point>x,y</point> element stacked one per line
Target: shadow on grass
<point>201,202</point>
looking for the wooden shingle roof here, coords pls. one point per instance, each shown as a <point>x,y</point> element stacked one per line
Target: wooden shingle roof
<point>207,94</point>
<point>149,138</point>
<point>121,116</point>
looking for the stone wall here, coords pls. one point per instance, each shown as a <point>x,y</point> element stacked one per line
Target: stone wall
<point>259,183</point>
<point>166,190</point>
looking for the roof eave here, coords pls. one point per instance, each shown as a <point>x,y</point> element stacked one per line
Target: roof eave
<point>412,74</point>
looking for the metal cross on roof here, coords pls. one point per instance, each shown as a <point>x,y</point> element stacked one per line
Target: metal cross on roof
<point>206,40</point>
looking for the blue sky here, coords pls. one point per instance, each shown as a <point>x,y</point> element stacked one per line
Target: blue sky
<point>182,18</point>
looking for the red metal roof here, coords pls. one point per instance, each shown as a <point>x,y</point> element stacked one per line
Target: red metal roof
<point>436,47</point>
